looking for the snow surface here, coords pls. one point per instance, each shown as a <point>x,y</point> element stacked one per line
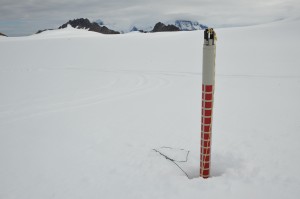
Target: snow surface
<point>81,112</point>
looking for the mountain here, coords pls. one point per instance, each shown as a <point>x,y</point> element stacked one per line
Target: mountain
<point>186,25</point>
<point>183,25</point>
<point>113,28</point>
<point>1,34</point>
<point>90,26</point>
<point>160,27</point>
<point>134,29</point>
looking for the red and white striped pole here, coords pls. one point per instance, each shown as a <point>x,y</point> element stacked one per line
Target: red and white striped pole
<point>208,86</point>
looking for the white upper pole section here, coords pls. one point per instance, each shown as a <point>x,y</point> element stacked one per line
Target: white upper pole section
<point>209,56</point>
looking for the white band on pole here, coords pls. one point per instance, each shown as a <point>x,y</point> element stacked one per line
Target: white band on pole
<point>208,71</point>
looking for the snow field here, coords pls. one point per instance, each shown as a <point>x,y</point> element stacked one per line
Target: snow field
<point>80,114</point>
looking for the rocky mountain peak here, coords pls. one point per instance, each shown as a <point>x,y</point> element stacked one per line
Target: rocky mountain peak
<point>86,24</point>
<point>160,27</point>
<point>1,34</point>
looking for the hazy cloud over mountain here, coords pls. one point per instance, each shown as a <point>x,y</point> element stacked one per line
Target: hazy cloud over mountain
<point>19,17</point>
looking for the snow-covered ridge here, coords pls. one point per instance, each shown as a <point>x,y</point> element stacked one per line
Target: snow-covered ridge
<point>113,28</point>
<point>183,25</point>
<point>189,25</point>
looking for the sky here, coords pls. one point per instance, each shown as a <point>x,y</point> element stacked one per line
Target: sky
<point>25,17</point>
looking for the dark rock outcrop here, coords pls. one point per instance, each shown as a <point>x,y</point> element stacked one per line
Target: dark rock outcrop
<point>1,34</point>
<point>86,24</point>
<point>160,27</point>
<point>40,31</point>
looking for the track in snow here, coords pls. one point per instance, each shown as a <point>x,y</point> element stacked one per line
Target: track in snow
<point>118,84</point>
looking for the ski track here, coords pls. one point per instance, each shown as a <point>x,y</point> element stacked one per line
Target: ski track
<point>26,102</point>
<point>139,83</point>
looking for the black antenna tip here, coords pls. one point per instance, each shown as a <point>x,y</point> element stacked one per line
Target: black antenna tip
<point>206,34</point>
<point>209,33</point>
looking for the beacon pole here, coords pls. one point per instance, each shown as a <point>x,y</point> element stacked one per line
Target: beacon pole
<point>208,86</point>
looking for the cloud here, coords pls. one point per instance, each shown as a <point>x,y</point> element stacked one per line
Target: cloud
<point>27,16</point>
